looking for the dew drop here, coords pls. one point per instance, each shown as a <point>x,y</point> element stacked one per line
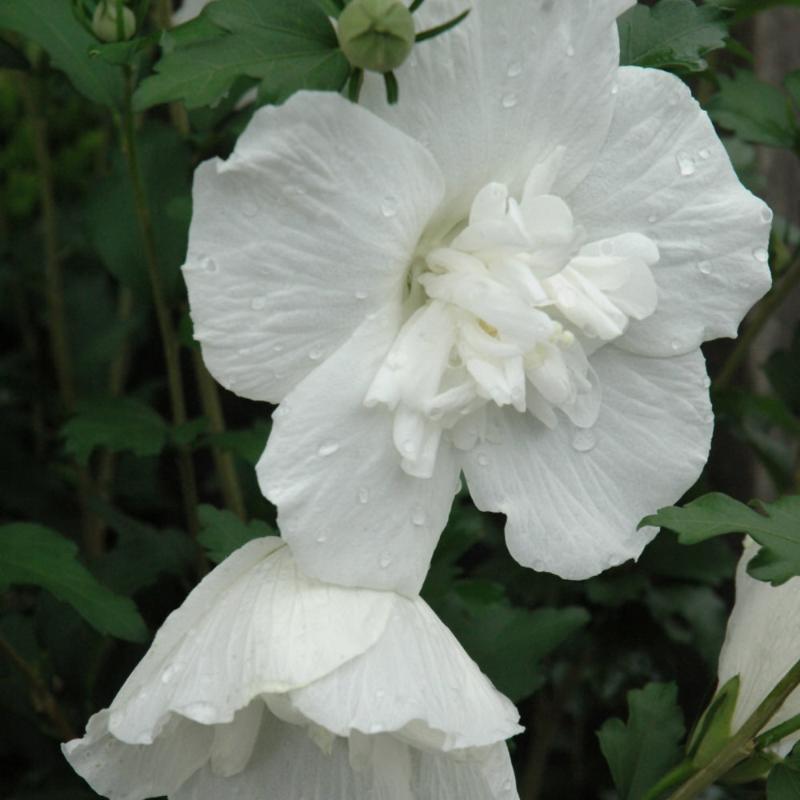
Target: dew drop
<point>389,206</point>
<point>583,441</point>
<point>704,267</point>
<point>363,495</point>
<point>483,460</point>
<point>704,153</point>
<point>379,694</point>
<point>278,348</point>
<point>408,447</point>
<point>706,382</point>
<point>315,354</point>
<point>361,295</point>
<point>328,448</point>
<point>509,100</point>
<point>766,214</point>
<point>170,672</point>
<point>321,539</point>
<point>418,516</point>
<point>570,51</point>
<point>615,89</point>
<point>506,786</point>
<point>761,254</point>
<point>675,345</point>
<point>209,265</point>
<point>258,303</point>
<point>686,164</point>
<point>514,69</point>
<point>384,561</point>
<point>652,219</point>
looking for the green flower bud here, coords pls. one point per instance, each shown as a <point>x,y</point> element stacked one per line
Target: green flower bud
<point>104,22</point>
<point>376,34</point>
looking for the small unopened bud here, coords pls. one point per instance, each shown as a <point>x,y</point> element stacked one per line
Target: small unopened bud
<point>376,34</point>
<point>104,22</point>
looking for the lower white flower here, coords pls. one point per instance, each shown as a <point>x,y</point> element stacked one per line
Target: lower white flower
<point>267,685</point>
<point>761,644</point>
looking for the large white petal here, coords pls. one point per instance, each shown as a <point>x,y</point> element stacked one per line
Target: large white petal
<point>349,512</point>
<point>255,625</point>
<point>287,764</point>
<point>412,682</point>
<point>309,226</point>
<point>189,10</point>
<point>761,644</point>
<point>122,771</point>
<point>573,498</point>
<point>501,91</point>
<point>664,173</point>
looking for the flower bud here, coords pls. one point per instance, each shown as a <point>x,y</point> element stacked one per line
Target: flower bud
<point>376,34</point>
<point>104,22</point>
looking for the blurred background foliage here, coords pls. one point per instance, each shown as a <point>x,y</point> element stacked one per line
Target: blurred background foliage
<point>122,482</point>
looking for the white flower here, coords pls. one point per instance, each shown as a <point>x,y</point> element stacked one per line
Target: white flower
<point>509,274</point>
<point>267,684</point>
<point>761,644</point>
<point>189,10</point>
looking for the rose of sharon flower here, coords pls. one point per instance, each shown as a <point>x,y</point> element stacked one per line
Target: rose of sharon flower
<point>762,644</point>
<point>189,9</point>
<point>508,274</point>
<point>267,684</point>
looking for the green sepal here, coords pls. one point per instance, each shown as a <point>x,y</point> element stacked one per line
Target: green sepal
<point>713,729</point>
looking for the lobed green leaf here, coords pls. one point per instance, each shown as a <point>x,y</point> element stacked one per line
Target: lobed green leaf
<point>222,532</point>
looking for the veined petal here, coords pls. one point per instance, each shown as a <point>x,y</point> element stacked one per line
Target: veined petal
<point>492,96</point>
<point>226,644</point>
<point>573,498</point>
<point>412,683</point>
<point>761,644</point>
<point>664,173</point>
<point>307,228</point>
<point>379,528</point>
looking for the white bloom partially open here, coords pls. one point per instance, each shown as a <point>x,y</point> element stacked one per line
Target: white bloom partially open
<point>268,685</point>
<point>508,274</point>
<point>762,643</point>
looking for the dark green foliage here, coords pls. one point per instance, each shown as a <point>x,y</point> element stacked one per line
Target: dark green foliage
<point>784,779</point>
<point>642,750</point>
<point>223,532</point>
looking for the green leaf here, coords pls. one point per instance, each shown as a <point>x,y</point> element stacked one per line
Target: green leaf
<point>286,44</point>
<point>645,748</point>
<point>248,444</point>
<point>52,25</point>
<point>746,8</point>
<point>35,555</point>
<point>222,532</point>
<point>755,111</point>
<point>118,423</point>
<point>11,58</point>
<point>674,34</point>
<point>777,530</point>
<point>508,642</point>
<point>783,782</point>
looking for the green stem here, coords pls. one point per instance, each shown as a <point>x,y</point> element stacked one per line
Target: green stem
<point>774,735</point>
<point>682,772</point>
<point>762,314</point>
<point>169,339</point>
<point>223,462</point>
<point>744,742</point>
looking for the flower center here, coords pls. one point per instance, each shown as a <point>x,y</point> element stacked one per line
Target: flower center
<point>511,309</point>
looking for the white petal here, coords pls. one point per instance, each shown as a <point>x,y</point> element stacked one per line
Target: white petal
<point>664,173</point>
<point>122,771</point>
<point>309,226</point>
<point>416,682</point>
<point>762,643</point>
<point>227,643</point>
<point>189,10</point>
<point>349,512</point>
<point>492,97</point>
<point>573,498</point>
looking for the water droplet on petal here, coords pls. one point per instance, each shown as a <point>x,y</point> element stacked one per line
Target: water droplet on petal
<point>384,561</point>
<point>363,495</point>
<point>652,219</point>
<point>322,538</point>
<point>761,254</point>
<point>278,348</point>
<point>704,153</point>
<point>315,354</point>
<point>706,382</point>
<point>686,164</point>
<point>509,100</point>
<point>328,448</point>
<point>766,214</point>
<point>483,460</point>
<point>389,206</point>
<point>583,441</point>
<point>514,69</point>
<point>675,345</point>
<point>615,89</point>
<point>570,51</point>
<point>258,303</point>
<point>704,267</point>
<point>379,694</point>
<point>361,295</point>
<point>209,265</point>
<point>418,516</point>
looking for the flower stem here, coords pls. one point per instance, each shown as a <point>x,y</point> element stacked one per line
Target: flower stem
<point>169,339</point>
<point>774,735</point>
<point>744,742</point>
<point>764,311</point>
<point>43,699</point>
